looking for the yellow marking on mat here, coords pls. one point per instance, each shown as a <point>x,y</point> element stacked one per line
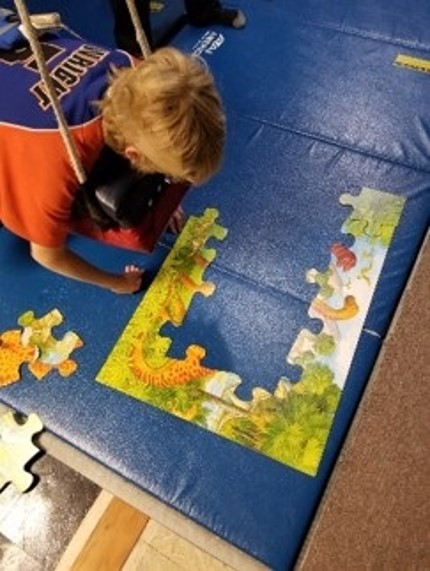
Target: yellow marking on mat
<point>156,6</point>
<point>414,63</point>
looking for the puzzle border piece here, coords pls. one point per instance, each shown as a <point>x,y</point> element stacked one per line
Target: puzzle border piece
<point>17,449</point>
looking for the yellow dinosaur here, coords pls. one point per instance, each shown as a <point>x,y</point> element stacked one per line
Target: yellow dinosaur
<point>348,310</point>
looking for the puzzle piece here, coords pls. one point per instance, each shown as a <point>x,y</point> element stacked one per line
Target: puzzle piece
<point>12,355</point>
<point>17,449</point>
<point>375,215</point>
<point>36,346</point>
<point>347,286</point>
<point>309,346</point>
<point>168,300</point>
<point>51,353</point>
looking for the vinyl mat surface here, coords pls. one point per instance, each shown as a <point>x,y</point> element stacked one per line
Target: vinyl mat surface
<point>226,388</point>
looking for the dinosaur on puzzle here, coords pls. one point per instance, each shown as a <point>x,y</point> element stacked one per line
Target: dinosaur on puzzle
<point>17,449</point>
<point>348,310</point>
<point>36,346</point>
<point>167,300</point>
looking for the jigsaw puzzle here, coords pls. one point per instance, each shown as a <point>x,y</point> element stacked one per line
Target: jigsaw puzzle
<point>17,449</point>
<point>292,424</point>
<point>36,346</point>
<point>168,299</point>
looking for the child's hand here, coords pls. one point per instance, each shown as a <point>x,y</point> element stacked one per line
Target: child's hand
<point>130,281</point>
<point>177,220</point>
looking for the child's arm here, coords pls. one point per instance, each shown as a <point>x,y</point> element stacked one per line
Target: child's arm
<point>67,263</point>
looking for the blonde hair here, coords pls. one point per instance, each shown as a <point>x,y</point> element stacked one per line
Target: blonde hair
<point>169,109</point>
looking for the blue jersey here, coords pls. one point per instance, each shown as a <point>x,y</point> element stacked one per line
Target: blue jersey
<point>79,72</point>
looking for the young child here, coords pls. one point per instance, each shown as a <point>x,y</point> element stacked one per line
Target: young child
<point>164,115</point>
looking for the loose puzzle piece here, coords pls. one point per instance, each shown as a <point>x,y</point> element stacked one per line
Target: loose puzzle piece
<point>17,449</point>
<point>12,355</point>
<point>36,346</point>
<point>292,424</point>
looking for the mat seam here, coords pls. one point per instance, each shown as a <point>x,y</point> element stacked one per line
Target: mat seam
<point>328,141</point>
<point>265,287</point>
<point>374,36</point>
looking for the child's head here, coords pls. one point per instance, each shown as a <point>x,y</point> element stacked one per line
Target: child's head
<point>166,115</point>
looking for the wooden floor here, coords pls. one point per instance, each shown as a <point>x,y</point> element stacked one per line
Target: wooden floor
<point>116,536</point>
<point>44,530</point>
<point>375,514</point>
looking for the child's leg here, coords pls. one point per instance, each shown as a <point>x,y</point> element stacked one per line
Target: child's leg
<point>125,35</point>
<point>207,12</point>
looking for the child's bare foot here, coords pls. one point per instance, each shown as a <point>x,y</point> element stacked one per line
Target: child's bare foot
<point>229,17</point>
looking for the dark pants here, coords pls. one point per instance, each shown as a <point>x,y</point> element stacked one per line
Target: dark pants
<point>124,29</point>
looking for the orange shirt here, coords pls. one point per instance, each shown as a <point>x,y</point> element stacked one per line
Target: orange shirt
<point>38,184</point>
<point>37,181</point>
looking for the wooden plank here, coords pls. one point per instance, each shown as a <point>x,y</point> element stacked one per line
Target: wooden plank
<point>112,539</point>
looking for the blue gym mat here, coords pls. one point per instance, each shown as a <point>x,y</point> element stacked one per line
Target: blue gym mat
<point>326,168</point>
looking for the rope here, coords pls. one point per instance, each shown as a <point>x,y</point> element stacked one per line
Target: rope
<point>35,45</point>
<point>44,73</point>
<point>140,34</point>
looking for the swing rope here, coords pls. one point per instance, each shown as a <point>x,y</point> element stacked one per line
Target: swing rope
<point>141,38</point>
<point>35,45</point>
<point>36,48</point>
